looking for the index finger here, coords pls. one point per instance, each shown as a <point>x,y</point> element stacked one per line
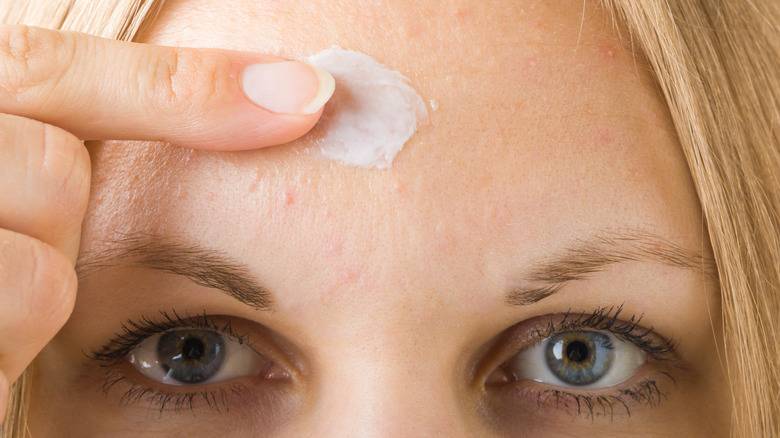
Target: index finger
<point>100,89</point>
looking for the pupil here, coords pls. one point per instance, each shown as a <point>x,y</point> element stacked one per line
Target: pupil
<point>193,349</point>
<point>190,356</point>
<point>577,352</point>
<point>579,358</point>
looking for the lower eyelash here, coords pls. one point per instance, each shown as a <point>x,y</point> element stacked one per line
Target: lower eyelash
<point>217,399</point>
<point>592,406</point>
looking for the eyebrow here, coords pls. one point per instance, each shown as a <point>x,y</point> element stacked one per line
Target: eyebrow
<point>211,268</point>
<point>607,247</point>
<point>204,266</point>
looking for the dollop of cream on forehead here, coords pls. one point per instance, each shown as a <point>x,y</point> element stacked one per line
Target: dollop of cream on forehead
<point>372,113</point>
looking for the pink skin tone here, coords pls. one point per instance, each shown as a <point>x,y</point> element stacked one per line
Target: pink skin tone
<point>389,284</point>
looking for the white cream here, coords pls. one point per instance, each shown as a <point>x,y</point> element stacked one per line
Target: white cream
<point>372,113</point>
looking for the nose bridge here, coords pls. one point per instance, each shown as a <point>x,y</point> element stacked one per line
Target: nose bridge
<point>387,394</point>
<point>386,358</point>
<point>388,375</point>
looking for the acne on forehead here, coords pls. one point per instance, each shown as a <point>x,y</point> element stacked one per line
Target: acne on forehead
<point>520,99</point>
<point>532,143</point>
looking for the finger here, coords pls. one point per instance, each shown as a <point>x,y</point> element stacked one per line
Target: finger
<point>44,182</point>
<point>103,89</point>
<point>37,293</point>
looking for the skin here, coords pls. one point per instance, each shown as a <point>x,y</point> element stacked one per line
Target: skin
<point>389,286</point>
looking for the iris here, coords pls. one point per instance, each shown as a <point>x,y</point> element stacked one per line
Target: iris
<point>191,356</point>
<point>579,358</point>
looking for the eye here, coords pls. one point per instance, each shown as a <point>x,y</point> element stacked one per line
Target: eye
<point>191,356</point>
<point>579,359</point>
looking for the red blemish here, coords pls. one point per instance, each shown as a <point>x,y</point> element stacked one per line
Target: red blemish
<point>415,30</point>
<point>349,275</point>
<point>607,53</point>
<point>332,247</point>
<point>398,187</point>
<point>447,244</point>
<point>460,14</point>
<point>529,63</point>
<point>346,279</point>
<point>603,136</point>
<point>289,198</point>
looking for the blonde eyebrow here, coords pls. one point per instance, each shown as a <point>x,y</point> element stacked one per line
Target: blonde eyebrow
<point>204,266</point>
<point>585,257</point>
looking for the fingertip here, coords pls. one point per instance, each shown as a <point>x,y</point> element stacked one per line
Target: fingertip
<point>287,87</point>
<point>327,85</point>
<point>51,296</point>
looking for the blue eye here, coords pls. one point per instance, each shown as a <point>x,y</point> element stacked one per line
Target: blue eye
<point>195,356</point>
<point>191,356</point>
<point>580,359</point>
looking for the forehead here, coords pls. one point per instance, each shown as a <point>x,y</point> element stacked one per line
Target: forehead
<point>545,126</point>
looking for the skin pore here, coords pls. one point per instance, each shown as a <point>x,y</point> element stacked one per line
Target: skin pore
<point>388,314</point>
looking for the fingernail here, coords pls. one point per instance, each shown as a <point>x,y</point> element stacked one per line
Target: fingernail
<point>288,87</point>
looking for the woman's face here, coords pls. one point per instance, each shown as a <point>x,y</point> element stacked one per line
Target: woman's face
<point>535,262</point>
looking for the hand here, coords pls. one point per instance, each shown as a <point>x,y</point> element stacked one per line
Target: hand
<point>59,87</point>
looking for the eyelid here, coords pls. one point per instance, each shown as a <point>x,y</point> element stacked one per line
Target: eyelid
<point>530,364</point>
<point>236,359</point>
<point>253,335</point>
<point>511,341</point>
<point>533,331</point>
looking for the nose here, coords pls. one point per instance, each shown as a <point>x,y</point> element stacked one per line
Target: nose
<point>387,397</point>
<point>378,406</point>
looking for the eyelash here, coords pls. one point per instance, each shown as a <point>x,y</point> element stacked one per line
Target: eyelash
<point>646,392</point>
<point>606,319</point>
<point>178,401</point>
<point>133,333</point>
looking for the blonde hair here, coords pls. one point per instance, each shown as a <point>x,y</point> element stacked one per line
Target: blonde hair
<point>718,65</point>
